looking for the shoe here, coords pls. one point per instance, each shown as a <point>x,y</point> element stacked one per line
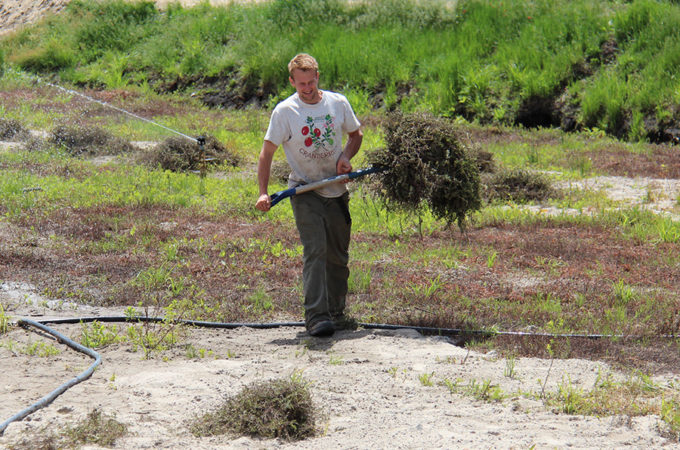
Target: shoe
<point>323,328</point>
<point>344,322</point>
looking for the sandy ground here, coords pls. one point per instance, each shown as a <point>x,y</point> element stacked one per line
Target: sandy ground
<point>15,13</point>
<point>368,384</point>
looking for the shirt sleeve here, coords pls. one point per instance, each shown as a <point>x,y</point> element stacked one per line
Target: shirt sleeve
<point>351,122</point>
<point>277,132</point>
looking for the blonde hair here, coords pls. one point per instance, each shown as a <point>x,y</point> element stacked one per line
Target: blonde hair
<point>304,62</point>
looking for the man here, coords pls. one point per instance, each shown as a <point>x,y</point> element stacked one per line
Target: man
<point>309,125</point>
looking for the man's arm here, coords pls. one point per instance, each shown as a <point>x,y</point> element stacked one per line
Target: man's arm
<point>352,147</point>
<point>264,166</point>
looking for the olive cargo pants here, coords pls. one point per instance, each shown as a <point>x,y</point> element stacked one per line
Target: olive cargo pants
<point>324,225</point>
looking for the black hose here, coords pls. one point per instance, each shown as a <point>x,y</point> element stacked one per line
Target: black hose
<point>231,325</point>
<point>49,398</point>
<point>376,326</point>
<point>196,323</point>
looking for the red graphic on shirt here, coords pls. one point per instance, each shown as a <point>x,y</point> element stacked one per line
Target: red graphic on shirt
<point>319,136</point>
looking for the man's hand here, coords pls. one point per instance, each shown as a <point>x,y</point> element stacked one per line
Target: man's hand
<point>264,167</point>
<point>264,203</point>
<point>343,165</point>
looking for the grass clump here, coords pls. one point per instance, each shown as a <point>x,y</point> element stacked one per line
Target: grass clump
<point>273,409</point>
<point>427,164</point>
<point>11,129</point>
<point>639,395</point>
<point>518,185</point>
<point>97,335</point>
<point>96,429</point>
<point>179,154</point>
<point>4,321</point>
<point>88,141</point>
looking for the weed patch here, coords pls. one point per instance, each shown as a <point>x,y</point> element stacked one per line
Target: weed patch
<point>179,154</point>
<point>636,396</point>
<point>88,141</point>
<point>96,429</point>
<point>4,321</point>
<point>519,186</point>
<point>11,129</point>
<point>273,409</point>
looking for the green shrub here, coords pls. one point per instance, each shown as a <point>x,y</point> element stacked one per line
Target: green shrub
<point>519,186</point>
<point>179,154</point>
<point>53,55</point>
<point>110,25</point>
<point>79,140</point>
<point>11,129</point>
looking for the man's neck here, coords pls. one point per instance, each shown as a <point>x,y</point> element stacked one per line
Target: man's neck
<point>318,97</point>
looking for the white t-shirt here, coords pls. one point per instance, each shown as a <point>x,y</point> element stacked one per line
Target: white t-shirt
<point>311,136</point>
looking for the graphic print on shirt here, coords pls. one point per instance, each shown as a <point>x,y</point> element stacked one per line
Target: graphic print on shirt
<point>317,136</point>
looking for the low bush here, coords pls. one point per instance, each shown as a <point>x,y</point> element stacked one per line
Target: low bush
<point>518,185</point>
<point>97,429</point>
<point>88,141</point>
<point>179,154</point>
<point>11,129</point>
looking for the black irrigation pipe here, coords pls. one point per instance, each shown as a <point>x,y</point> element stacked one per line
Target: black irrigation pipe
<point>49,398</point>
<point>41,324</point>
<point>376,326</point>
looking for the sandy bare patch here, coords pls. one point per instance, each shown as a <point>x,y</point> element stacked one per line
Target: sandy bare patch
<point>368,384</point>
<point>15,13</point>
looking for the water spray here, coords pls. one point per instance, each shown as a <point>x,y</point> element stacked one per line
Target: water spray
<point>108,105</point>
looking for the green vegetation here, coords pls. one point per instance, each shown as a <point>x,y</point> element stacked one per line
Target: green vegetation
<point>96,429</point>
<point>484,391</point>
<point>97,335</point>
<point>606,64</point>
<point>4,321</point>
<point>39,348</point>
<point>638,395</point>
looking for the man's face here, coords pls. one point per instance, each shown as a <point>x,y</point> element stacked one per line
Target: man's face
<point>305,83</point>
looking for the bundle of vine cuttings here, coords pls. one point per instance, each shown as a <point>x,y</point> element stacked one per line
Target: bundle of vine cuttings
<point>426,165</point>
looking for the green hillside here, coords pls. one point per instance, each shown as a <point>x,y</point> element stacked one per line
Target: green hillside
<point>613,65</point>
